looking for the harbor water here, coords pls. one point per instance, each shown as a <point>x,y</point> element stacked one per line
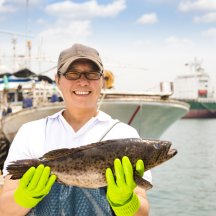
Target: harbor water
<point>186,185</point>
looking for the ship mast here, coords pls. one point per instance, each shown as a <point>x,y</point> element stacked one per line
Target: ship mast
<point>28,42</point>
<point>195,66</point>
<point>14,35</point>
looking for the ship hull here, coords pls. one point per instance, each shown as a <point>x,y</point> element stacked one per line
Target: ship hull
<point>151,116</point>
<point>201,109</point>
<point>200,114</point>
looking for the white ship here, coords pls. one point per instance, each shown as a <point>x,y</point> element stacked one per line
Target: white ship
<point>196,89</point>
<point>150,113</point>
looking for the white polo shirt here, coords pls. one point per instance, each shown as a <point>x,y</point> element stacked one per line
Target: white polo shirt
<point>36,138</point>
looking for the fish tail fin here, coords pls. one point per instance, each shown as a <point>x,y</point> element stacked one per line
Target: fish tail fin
<point>141,182</point>
<point>19,167</point>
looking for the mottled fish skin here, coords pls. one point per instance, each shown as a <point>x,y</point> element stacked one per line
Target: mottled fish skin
<point>85,166</point>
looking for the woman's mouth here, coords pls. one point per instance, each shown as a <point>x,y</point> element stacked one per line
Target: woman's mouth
<point>82,92</point>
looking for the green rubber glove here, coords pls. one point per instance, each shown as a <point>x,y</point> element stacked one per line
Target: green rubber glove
<point>35,184</point>
<point>120,191</point>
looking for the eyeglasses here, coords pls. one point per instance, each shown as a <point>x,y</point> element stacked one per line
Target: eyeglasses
<point>77,75</point>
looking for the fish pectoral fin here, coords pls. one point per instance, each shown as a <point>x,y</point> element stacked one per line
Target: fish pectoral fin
<point>56,154</point>
<point>60,181</point>
<point>141,182</point>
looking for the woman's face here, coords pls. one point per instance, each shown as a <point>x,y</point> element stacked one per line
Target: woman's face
<point>81,93</point>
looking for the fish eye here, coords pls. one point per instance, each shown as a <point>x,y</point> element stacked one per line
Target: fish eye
<point>157,146</point>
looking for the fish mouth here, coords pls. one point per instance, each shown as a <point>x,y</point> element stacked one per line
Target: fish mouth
<point>171,153</point>
<point>166,154</point>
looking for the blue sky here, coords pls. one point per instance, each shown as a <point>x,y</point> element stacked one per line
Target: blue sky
<point>142,41</point>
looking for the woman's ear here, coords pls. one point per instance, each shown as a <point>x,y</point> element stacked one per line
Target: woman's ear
<point>57,77</point>
<point>103,83</point>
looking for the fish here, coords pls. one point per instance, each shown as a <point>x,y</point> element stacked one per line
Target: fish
<point>85,166</point>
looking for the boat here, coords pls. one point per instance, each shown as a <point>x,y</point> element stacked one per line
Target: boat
<point>19,91</point>
<point>196,89</point>
<point>150,113</point>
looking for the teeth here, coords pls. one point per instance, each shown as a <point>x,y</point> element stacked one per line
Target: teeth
<point>81,92</point>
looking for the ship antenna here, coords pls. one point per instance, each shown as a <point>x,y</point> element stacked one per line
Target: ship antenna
<point>195,66</point>
<point>28,42</point>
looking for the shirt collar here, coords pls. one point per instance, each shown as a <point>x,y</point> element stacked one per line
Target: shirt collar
<point>56,115</point>
<point>102,116</point>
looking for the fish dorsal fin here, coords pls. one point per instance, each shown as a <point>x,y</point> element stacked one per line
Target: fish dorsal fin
<point>89,146</point>
<point>141,182</point>
<point>96,144</point>
<point>57,153</point>
<point>53,154</point>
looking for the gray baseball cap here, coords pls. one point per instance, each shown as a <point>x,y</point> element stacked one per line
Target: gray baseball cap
<point>78,51</point>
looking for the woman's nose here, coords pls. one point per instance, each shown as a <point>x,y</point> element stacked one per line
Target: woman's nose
<point>83,80</point>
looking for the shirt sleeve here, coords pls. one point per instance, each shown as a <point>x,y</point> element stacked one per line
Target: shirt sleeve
<point>17,149</point>
<point>28,143</point>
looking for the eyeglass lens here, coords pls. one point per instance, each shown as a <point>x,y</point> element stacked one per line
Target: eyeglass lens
<point>77,75</point>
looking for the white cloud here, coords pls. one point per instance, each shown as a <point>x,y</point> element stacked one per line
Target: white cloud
<point>5,8</point>
<point>160,1</point>
<point>9,6</point>
<point>2,19</point>
<point>23,2</point>
<point>189,5</point>
<point>73,22</point>
<point>172,40</point>
<point>143,43</point>
<point>88,9</point>
<point>40,21</point>
<point>210,33</point>
<point>64,34</point>
<point>207,18</point>
<point>57,37</point>
<point>72,30</point>
<point>149,18</point>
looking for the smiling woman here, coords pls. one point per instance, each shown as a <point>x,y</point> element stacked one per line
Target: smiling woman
<point>79,80</point>
<point>79,124</point>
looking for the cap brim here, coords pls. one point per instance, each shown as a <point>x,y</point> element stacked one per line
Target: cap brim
<point>65,67</point>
